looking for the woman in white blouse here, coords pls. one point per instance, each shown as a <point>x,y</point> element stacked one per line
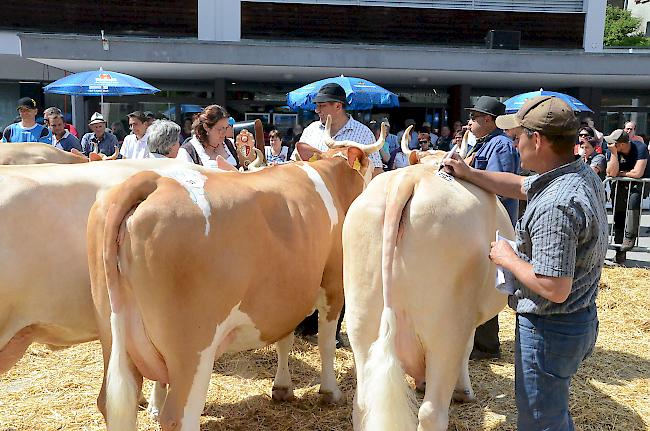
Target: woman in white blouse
<point>209,140</point>
<point>275,153</point>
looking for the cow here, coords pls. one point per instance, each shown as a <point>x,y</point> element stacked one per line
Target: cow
<point>32,153</point>
<point>44,280</point>
<point>418,281</point>
<point>429,157</point>
<point>28,153</point>
<point>195,247</point>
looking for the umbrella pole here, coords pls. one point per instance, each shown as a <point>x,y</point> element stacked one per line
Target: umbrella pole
<point>101,105</point>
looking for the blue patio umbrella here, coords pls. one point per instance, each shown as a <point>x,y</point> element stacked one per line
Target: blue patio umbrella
<point>515,102</point>
<point>361,94</point>
<point>100,83</point>
<point>185,109</point>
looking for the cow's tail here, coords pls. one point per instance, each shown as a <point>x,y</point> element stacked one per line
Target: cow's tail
<point>388,401</point>
<point>122,390</point>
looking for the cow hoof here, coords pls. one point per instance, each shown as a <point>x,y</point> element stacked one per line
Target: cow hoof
<point>332,398</point>
<point>421,387</point>
<point>464,396</point>
<point>154,412</point>
<point>282,394</point>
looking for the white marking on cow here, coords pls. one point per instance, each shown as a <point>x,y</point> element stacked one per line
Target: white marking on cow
<point>247,335</point>
<point>194,183</point>
<point>325,194</point>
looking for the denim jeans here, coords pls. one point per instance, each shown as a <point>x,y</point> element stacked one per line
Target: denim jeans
<point>548,352</point>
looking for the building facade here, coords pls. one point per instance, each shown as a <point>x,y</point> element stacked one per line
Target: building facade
<point>248,54</point>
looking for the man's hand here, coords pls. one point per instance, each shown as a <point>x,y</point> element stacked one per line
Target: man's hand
<point>456,166</point>
<point>612,147</point>
<point>501,253</point>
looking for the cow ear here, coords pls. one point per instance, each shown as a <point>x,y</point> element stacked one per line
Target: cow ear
<point>224,165</point>
<point>413,158</point>
<point>355,156</point>
<point>307,152</point>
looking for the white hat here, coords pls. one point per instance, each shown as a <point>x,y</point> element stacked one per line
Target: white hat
<point>97,118</point>
<point>426,124</point>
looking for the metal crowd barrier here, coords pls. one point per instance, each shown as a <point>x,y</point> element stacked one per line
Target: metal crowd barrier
<point>611,189</point>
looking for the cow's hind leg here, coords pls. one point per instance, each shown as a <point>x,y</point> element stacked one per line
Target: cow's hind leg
<point>441,378</point>
<point>329,389</point>
<point>189,378</point>
<point>157,399</point>
<point>463,391</point>
<point>282,385</point>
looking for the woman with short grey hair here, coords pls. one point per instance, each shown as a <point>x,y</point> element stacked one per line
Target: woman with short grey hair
<point>163,139</point>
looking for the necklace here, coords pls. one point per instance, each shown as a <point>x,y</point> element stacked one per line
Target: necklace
<point>214,148</point>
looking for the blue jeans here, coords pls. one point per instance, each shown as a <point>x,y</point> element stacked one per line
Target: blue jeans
<point>548,351</point>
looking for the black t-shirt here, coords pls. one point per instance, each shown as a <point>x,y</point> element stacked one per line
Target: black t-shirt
<point>638,151</point>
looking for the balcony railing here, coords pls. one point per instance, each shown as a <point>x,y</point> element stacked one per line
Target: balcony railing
<point>553,6</point>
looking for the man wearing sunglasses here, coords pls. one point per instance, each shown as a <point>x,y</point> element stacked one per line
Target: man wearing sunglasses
<point>493,151</point>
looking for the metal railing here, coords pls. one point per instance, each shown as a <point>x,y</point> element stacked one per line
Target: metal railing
<point>611,186</point>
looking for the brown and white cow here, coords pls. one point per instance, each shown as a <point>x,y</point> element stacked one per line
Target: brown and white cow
<point>195,248</point>
<point>418,281</point>
<point>44,280</point>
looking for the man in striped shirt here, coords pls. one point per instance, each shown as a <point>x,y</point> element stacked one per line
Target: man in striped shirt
<point>331,100</point>
<point>561,245</point>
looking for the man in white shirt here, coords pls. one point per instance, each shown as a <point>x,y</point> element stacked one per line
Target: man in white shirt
<point>135,145</point>
<point>331,100</point>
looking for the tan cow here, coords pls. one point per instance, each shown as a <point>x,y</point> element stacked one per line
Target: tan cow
<point>44,280</point>
<point>417,283</point>
<point>195,247</point>
<point>28,153</point>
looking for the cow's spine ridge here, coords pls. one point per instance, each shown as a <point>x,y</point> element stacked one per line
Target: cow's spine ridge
<point>389,403</point>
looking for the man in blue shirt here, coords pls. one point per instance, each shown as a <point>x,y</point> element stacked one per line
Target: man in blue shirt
<point>99,140</point>
<point>61,138</point>
<point>27,129</point>
<point>493,151</point>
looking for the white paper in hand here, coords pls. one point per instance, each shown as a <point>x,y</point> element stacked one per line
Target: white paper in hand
<point>503,283</point>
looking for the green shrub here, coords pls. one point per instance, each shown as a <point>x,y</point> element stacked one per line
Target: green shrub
<point>621,29</point>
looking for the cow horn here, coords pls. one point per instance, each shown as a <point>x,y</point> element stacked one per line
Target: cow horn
<point>368,149</point>
<point>113,157</point>
<point>406,140</point>
<point>257,163</point>
<point>327,134</point>
<point>462,151</point>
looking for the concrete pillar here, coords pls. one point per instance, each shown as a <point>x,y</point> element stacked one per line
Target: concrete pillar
<point>219,93</point>
<point>594,25</point>
<point>459,99</point>
<point>219,20</point>
<point>79,115</point>
<point>591,96</point>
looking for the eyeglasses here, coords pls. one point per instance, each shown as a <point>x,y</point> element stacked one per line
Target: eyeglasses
<point>221,129</point>
<point>584,135</point>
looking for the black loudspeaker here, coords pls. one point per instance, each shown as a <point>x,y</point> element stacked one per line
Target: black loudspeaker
<point>502,39</point>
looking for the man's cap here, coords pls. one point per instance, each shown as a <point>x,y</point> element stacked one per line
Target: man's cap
<point>26,102</point>
<point>96,118</point>
<point>546,114</point>
<point>488,105</point>
<point>618,135</point>
<point>426,124</point>
<point>409,122</point>
<point>331,93</point>
<point>149,114</point>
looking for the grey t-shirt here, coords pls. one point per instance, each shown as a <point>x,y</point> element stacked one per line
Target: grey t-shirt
<point>563,233</point>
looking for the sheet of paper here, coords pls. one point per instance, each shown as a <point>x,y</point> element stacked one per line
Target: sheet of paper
<point>503,283</point>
